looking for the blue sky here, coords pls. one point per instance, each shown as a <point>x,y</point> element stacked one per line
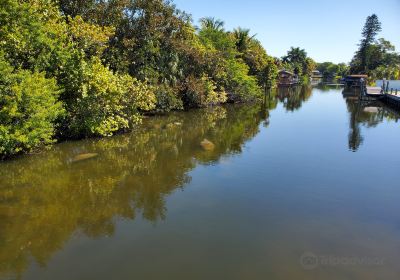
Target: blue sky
<point>327,30</point>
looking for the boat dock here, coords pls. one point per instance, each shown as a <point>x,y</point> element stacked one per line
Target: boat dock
<point>392,97</point>
<point>374,92</point>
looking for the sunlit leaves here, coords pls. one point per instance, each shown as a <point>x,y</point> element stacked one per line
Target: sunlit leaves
<point>28,110</point>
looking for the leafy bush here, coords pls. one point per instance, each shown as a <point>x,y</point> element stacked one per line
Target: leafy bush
<point>167,99</point>
<point>107,102</point>
<point>202,92</point>
<point>28,109</point>
<point>240,85</point>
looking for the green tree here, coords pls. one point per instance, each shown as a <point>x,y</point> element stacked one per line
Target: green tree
<point>331,70</point>
<point>243,39</point>
<point>377,58</point>
<point>298,61</point>
<point>260,64</point>
<point>362,59</point>
<point>295,55</point>
<point>232,73</point>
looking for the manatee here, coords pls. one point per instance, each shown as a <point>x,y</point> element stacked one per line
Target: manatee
<point>84,157</point>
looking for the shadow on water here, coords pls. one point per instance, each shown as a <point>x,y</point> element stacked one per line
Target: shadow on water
<point>365,113</point>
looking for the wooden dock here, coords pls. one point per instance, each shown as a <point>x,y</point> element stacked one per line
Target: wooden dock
<point>374,91</point>
<point>371,93</point>
<point>380,93</point>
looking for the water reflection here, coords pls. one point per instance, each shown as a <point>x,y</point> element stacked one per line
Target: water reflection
<point>292,98</point>
<point>46,198</point>
<point>365,113</point>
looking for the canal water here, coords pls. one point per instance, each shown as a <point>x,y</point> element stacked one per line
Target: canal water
<point>305,186</point>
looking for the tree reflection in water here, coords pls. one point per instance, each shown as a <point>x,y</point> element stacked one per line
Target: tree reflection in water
<point>45,198</point>
<point>293,98</point>
<point>365,113</point>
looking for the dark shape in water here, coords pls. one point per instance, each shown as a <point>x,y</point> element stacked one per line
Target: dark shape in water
<point>82,157</point>
<point>207,145</point>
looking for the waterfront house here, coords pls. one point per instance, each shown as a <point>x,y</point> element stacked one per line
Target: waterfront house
<point>316,75</point>
<point>354,80</point>
<point>287,78</point>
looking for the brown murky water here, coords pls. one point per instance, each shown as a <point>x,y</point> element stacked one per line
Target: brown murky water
<point>304,187</point>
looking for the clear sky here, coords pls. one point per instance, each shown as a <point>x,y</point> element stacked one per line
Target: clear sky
<point>327,30</point>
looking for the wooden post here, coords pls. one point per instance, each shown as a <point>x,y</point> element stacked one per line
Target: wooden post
<point>391,91</point>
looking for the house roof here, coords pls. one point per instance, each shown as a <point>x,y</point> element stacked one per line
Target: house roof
<point>286,72</point>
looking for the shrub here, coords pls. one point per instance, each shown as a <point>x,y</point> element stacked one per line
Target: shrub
<point>202,92</point>
<point>167,99</point>
<point>107,102</point>
<point>28,109</point>
<point>241,86</point>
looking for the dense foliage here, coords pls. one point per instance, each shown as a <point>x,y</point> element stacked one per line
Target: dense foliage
<point>28,109</point>
<point>72,69</point>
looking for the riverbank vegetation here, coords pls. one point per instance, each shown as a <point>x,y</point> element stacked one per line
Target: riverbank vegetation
<point>73,69</point>
<point>76,69</point>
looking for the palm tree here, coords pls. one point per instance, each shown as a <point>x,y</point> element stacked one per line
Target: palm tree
<point>212,23</point>
<point>295,55</point>
<point>243,38</point>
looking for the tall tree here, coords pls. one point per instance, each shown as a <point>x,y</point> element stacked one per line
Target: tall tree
<point>371,28</point>
<point>361,60</point>
<point>295,55</point>
<point>298,60</point>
